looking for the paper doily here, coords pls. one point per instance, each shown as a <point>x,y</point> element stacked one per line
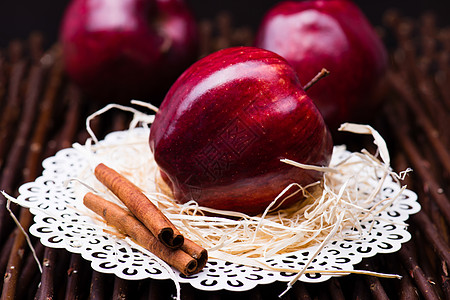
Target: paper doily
<point>59,223</point>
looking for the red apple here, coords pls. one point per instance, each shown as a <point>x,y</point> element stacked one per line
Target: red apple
<point>335,35</point>
<point>225,124</point>
<point>119,50</point>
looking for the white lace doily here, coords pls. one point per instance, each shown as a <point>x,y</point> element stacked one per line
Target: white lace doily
<point>59,222</point>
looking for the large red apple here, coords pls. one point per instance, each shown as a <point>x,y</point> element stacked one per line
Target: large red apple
<point>331,34</point>
<point>224,125</point>
<point>119,50</point>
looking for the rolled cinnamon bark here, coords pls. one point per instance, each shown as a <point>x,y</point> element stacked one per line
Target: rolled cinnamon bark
<point>188,263</point>
<point>141,207</point>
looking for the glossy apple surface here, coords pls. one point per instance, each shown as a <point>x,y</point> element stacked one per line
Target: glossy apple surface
<point>120,50</point>
<point>225,124</point>
<point>335,35</point>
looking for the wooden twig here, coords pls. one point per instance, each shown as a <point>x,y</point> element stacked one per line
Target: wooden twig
<point>46,288</point>
<point>15,157</point>
<point>418,163</point>
<point>11,111</point>
<point>30,271</point>
<point>121,289</point>
<point>73,289</point>
<point>407,291</point>
<point>205,33</point>
<point>416,273</point>
<point>335,289</point>
<point>6,249</point>
<point>35,46</point>
<point>300,291</point>
<point>44,121</point>
<point>359,289</point>
<point>3,77</point>
<point>97,289</point>
<point>440,246</point>
<point>429,230</point>
<point>72,118</point>
<point>322,74</point>
<point>162,289</point>
<point>374,283</point>
<point>9,118</point>
<point>431,133</point>
<point>425,257</point>
<point>442,76</point>
<point>191,293</point>
<point>32,166</point>
<point>445,279</point>
<point>16,258</point>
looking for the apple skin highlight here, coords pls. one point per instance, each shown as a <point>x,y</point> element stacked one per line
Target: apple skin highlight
<point>224,125</point>
<point>331,34</point>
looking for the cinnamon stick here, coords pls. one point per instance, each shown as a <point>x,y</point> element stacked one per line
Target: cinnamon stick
<point>195,251</point>
<point>127,224</point>
<point>140,206</point>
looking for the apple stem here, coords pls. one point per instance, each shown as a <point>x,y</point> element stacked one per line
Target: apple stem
<point>323,73</point>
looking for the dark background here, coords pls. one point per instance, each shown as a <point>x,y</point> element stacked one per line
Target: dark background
<point>20,17</point>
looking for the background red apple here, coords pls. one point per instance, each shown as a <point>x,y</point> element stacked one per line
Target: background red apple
<point>119,50</point>
<point>331,34</point>
<point>225,124</point>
